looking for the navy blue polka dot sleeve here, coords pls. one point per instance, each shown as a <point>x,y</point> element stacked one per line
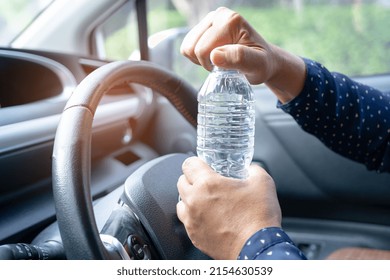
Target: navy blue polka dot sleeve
<point>350,118</point>
<point>270,244</point>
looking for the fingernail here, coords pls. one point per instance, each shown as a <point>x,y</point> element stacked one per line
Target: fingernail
<point>218,57</point>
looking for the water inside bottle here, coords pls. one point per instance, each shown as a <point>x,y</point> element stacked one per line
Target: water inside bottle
<point>226,135</point>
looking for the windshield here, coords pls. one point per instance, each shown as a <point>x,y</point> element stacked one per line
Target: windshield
<point>16,15</point>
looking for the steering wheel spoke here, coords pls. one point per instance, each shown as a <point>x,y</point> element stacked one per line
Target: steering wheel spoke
<point>114,248</point>
<point>123,233</point>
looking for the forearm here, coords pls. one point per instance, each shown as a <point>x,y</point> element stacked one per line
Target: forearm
<point>350,118</point>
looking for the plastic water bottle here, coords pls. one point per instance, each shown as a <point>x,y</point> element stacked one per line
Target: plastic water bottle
<point>226,123</point>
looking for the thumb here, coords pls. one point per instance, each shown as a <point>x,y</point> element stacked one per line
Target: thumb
<point>194,168</point>
<point>249,61</point>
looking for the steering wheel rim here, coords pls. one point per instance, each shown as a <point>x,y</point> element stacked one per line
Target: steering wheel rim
<point>72,147</point>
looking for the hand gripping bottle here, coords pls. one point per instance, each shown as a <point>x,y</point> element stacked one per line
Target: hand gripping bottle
<point>226,123</point>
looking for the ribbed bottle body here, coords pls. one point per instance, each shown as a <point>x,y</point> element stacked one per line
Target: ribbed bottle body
<point>226,123</point>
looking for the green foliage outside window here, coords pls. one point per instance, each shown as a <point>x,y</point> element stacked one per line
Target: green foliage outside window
<point>348,39</point>
<point>346,36</point>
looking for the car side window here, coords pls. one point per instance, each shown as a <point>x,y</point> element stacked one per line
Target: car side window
<point>348,36</point>
<point>117,37</point>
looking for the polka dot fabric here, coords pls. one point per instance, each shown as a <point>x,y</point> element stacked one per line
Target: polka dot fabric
<point>270,244</point>
<point>350,118</point>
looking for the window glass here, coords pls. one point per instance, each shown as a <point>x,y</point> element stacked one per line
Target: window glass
<point>349,36</point>
<point>16,15</point>
<point>163,15</point>
<point>117,37</point>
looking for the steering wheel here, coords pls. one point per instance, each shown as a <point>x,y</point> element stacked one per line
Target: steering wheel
<point>145,220</point>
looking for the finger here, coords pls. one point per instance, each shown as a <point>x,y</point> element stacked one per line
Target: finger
<point>189,43</point>
<point>249,61</point>
<point>194,168</point>
<point>183,187</point>
<point>222,31</point>
<point>261,178</point>
<point>204,47</point>
<point>181,211</point>
<point>258,173</point>
<point>212,38</point>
